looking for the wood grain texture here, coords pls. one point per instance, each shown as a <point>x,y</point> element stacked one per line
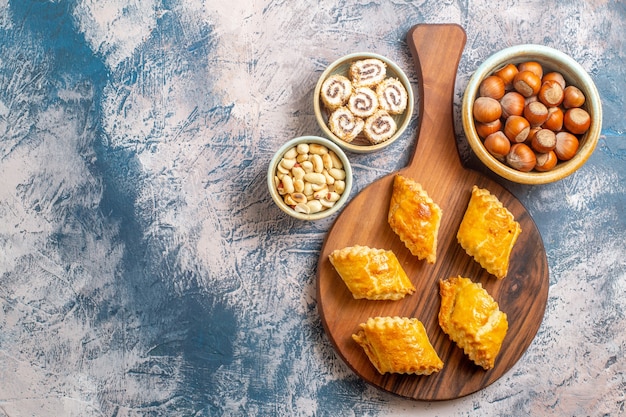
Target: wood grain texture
<point>436,50</point>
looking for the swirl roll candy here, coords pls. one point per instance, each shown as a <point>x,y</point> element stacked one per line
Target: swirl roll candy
<point>336,90</point>
<point>367,72</point>
<point>392,96</point>
<point>345,125</point>
<point>363,102</point>
<point>379,127</point>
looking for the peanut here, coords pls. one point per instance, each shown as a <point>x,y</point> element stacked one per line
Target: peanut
<point>310,178</point>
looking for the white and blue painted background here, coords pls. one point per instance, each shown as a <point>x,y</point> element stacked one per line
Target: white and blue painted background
<point>144,269</point>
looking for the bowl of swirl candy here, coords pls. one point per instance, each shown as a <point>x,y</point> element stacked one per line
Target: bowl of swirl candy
<point>363,102</point>
<point>309,178</point>
<point>532,114</point>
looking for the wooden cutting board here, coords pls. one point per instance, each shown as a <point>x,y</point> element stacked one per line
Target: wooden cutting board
<point>522,295</point>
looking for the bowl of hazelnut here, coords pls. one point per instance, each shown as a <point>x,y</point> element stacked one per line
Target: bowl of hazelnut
<point>532,114</point>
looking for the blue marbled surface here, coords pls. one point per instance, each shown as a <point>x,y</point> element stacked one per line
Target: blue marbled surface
<point>144,269</point>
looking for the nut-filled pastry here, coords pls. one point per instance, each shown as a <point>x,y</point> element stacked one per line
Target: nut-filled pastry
<point>374,274</point>
<point>472,319</point>
<point>398,345</point>
<point>367,72</point>
<point>392,96</point>
<point>488,232</point>
<point>379,127</point>
<point>344,124</point>
<point>415,218</point>
<point>363,102</point>
<point>336,91</point>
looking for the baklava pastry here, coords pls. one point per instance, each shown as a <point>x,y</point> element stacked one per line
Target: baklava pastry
<point>367,72</point>
<point>488,232</point>
<point>415,218</point>
<point>379,127</point>
<point>472,319</point>
<point>335,92</point>
<point>373,274</point>
<point>398,345</point>
<point>345,125</point>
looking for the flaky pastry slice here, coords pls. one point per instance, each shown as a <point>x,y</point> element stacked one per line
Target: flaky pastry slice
<point>415,218</point>
<point>398,345</point>
<point>472,319</point>
<point>374,274</point>
<point>488,232</point>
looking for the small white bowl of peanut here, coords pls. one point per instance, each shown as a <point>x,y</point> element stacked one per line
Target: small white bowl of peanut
<point>309,178</point>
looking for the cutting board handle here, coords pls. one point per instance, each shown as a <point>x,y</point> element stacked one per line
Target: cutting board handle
<point>436,51</point>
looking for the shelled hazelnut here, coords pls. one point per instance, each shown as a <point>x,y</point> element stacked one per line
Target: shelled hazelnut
<point>529,105</point>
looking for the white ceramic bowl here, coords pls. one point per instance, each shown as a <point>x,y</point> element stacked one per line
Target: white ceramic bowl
<point>551,60</point>
<point>279,199</point>
<point>342,66</point>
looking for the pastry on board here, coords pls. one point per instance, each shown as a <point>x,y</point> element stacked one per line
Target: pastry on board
<point>373,274</point>
<point>415,218</point>
<point>472,319</point>
<point>398,345</point>
<point>488,232</point>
